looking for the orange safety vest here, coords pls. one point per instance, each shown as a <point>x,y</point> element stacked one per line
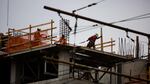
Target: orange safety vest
<point>62,41</point>
<point>37,36</point>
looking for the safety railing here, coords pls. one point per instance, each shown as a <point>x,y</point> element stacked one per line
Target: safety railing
<point>30,37</point>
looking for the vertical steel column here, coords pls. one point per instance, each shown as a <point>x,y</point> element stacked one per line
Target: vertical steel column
<point>119,70</point>
<point>148,64</point>
<point>101,34</point>
<point>137,47</point>
<point>149,49</point>
<point>52,31</point>
<point>96,76</point>
<point>30,36</point>
<point>111,40</point>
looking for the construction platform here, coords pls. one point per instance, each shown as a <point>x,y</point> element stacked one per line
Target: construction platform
<point>82,55</point>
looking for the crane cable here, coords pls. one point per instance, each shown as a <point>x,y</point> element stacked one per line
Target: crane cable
<point>87,6</point>
<point>75,27</point>
<point>143,16</point>
<point>7,13</point>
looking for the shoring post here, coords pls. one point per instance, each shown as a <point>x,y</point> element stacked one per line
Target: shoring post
<point>30,36</point>
<point>111,52</point>
<point>88,67</point>
<point>148,64</point>
<point>101,34</point>
<point>137,47</point>
<point>110,76</point>
<point>111,40</point>
<point>149,49</point>
<point>52,31</point>
<point>96,76</point>
<point>9,35</point>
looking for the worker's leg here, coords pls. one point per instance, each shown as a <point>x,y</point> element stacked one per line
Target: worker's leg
<point>89,45</point>
<point>93,45</point>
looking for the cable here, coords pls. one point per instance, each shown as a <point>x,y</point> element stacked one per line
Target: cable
<point>7,13</point>
<point>129,19</point>
<point>75,27</point>
<point>87,6</point>
<point>133,18</point>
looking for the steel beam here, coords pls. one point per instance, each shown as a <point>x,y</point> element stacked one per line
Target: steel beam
<point>96,21</point>
<point>80,65</point>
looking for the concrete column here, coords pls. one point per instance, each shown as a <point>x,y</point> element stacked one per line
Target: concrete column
<point>119,70</point>
<point>13,73</point>
<point>63,69</point>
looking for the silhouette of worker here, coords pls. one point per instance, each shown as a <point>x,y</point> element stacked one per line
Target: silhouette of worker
<point>62,40</point>
<point>37,37</point>
<point>92,40</point>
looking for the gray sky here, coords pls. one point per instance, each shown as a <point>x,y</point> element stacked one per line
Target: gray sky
<point>25,12</point>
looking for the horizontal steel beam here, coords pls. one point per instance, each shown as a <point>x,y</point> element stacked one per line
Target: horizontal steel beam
<point>80,65</point>
<point>96,21</point>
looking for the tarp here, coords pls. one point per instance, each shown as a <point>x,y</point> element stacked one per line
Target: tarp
<point>19,43</point>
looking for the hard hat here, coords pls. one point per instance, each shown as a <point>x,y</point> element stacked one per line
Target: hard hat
<point>96,34</point>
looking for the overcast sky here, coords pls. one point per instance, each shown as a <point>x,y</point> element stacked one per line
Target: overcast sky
<point>24,12</point>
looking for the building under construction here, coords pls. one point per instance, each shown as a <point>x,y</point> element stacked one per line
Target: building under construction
<point>27,59</point>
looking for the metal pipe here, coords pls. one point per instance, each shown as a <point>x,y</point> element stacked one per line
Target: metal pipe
<point>80,65</point>
<point>96,21</point>
<point>137,47</point>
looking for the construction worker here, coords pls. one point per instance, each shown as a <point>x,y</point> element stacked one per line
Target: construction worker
<point>62,40</point>
<point>92,40</point>
<point>37,37</point>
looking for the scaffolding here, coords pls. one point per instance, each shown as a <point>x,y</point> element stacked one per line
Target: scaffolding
<point>28,38</point>
<point>35,56</point>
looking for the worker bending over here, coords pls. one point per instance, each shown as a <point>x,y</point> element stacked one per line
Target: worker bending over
<point>62,40</point>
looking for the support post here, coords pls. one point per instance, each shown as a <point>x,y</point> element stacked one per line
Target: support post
<point>148,64</point>
<point>96,76</point>
<point>101,34</point>
<point>110,76</point>
<point>13,73</point>
<point>149,49</point>
<point>137,47</point>
<point>119,70</point>
<point>30,36</point>
<point>52,31</point>
<point>63,69</point>
<point>111,45</point>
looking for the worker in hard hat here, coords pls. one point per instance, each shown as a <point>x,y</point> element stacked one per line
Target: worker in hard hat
<point>62,40</point>
<point>92,40</point>
<point>37,37</point>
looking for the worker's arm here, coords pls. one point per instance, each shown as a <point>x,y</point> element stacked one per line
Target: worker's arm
<point>99,37</point>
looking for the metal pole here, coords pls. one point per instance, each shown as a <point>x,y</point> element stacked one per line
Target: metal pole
<point>137,47</point>
<point>111,45</point>
<point>80,65</point>
<point>149,49</point>
<point>110,76</point>
<point>30,36</point>
<point>96,21</point>
<point>101,39</point>
<point>148,64</point>
<point>52,31</point>
<point>96,76</point>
